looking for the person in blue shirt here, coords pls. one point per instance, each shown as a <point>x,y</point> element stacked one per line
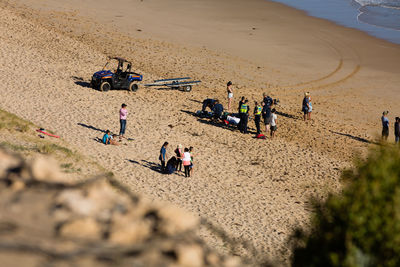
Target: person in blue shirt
<point>306,106</point>
<point>163,156</point>
<point>385,125</point>
<point>106,138</point>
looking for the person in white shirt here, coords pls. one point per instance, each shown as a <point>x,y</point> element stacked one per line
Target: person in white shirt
<point>273,119</point>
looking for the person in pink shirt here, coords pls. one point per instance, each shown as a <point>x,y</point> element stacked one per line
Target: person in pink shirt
<point>123,113</point>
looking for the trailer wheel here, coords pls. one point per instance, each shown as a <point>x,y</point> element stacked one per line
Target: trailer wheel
<point>105,86</point>
<point>187,88</point>
<point>133,87</point>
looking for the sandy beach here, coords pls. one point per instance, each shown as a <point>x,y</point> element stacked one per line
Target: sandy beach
<point>258,190</point>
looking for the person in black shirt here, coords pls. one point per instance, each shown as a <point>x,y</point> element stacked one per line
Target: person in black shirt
<point>208,103</point>
<point>266,111</point>
<point>244,116</point>
<point>240,103</point>
<point>257,116</point>
<point>217,110</point>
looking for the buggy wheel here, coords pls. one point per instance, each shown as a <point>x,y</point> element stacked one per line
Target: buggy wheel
<point>187,88</point>
<point>133,87</point>
<point>105,86</point>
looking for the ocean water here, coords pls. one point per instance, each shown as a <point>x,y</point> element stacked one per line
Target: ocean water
<point>379,18</point>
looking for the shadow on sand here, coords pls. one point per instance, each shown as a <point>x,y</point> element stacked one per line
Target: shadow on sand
<point>357,138</point>
<point>91,127</point>
<point>148,164</point>
<point>290,116</point>
<point>81,82</point>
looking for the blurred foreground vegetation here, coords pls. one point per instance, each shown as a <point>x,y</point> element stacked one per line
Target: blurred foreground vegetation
<point>361,226</point>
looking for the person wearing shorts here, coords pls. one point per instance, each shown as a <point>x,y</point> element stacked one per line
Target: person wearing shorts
<point>230,94</point>
<point>273,119</point>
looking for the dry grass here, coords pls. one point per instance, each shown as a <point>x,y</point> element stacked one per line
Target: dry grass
<point>19,135</point>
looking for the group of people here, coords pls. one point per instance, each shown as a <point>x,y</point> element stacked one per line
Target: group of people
<point>385,127</point>
<point>182,157</point>
<point>263,109</point>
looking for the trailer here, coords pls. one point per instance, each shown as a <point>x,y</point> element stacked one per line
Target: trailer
<point>175,83</point>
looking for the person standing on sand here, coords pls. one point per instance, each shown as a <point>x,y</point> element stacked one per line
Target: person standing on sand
<point>397,130</point>
<point>123,113</point>
<point>385,125</point>
<point>163,156</point>
<point>266,113</point>
<point>257,116</point>
<point>229,90</point>
<point>273,119</point>
<point>179,157</point>
<point>240,103</point>
<point>191,160</point>
<point>186,162</point>
<point>305,106</point>
<point>309,107</point>
<point>244,116</point>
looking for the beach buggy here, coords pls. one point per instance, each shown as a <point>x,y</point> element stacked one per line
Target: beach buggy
<point>105,80</point>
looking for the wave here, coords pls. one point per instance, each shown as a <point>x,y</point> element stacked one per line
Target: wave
<point>387,3</point>
<point>381,13</point>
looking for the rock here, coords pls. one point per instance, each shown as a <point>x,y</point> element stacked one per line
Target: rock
<point>176,220</point>
<point>125,230</point>
<point>7,162</point>
<point>190,256</point>
<point>46,169</point>
<point>86,228</point>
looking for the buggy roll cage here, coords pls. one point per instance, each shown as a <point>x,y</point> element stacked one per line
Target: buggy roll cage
<point>121,62</point>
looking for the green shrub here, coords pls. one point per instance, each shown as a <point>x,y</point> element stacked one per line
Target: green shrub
<point>361,226</point>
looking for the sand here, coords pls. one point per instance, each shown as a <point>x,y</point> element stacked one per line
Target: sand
<point>258,190</point>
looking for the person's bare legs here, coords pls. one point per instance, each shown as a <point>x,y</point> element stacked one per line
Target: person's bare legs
<point>113,142</point>
<point>229,103</point>
<point>266,129</point>
<point>309,115</point>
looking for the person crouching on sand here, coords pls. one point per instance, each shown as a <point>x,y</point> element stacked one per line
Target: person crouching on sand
<point>106,138</point>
